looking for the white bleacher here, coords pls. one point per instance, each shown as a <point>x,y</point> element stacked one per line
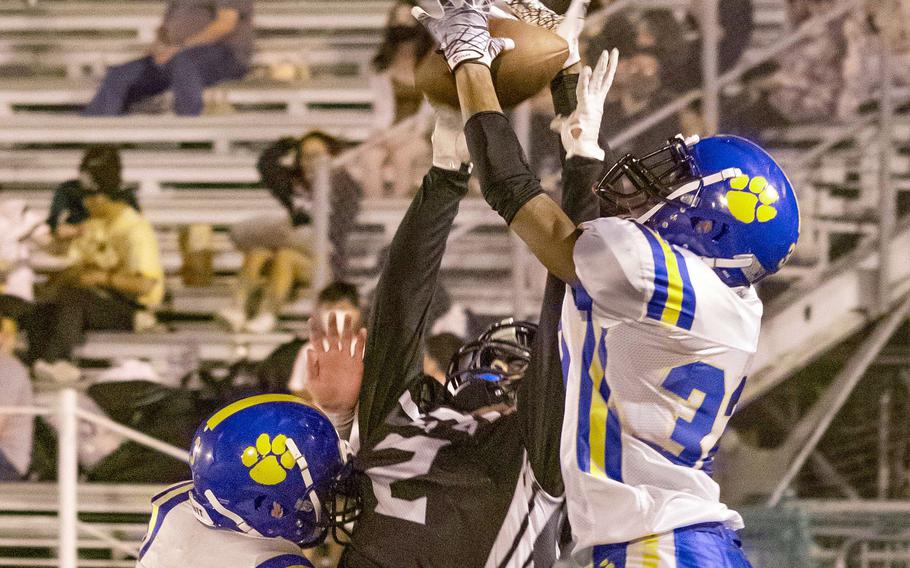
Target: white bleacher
<point>298,99</point>
<point>89,57</point>
<point>141,19</point>
<point>221,132</point>
<point>28,522</point>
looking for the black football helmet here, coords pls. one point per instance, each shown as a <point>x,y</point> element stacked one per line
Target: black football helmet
<point>485,371</point>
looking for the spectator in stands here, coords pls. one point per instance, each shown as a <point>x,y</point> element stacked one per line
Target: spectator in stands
<point>284,370</point>
<point>200,43</point>
<point>282,247</point>
<point>15,431</point>
<point>439,352</point>
<point>100,168</point>
<point>115,277</point>
<point>404,44</point>
<point>808,84</point>
<point>20,231</point>
<point>653,46</point>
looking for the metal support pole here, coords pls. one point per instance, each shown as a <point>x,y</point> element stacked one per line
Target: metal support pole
<point>68,478</point>
<point>884,434</point>
<point>808,432</point>
<point>321,212</point>
<point>710,44</point>
<point>887,205</point>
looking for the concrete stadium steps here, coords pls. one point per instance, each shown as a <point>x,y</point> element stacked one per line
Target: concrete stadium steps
<point>349,97</point>
<point>221,134</point>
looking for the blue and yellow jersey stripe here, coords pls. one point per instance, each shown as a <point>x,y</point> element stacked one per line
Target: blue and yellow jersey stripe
<point>673,299</point>
<point>162,504</point>
<point>598,446</point>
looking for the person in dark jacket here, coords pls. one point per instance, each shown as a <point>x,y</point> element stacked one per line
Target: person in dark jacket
<point>100,170</point>
<point>278,251</point>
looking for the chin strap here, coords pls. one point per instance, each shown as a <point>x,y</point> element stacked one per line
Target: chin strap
<point>242,525</point>
<point>307,477</point>
<point>738,261</point>
<point>690,187</point>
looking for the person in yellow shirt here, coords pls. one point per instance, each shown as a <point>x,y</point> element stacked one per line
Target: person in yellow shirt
<point>116,273</point>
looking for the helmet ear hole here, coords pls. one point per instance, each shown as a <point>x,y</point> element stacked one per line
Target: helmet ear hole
<point>259,501</point>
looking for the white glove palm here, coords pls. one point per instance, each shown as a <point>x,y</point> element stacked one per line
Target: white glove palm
<point>462,32</point>
<point>567,26</point>
<point>579,131</point>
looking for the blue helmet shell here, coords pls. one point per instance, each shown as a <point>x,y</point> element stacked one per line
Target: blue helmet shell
<point>247,474</point>
<point>755,213</point>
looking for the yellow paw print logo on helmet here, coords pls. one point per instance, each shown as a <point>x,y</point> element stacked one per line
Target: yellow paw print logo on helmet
<point>269,460</point>
<point>606,564</point>
<point>752,199</point>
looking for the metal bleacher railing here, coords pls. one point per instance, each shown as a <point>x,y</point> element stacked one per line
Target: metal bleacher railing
<point>25,523</point>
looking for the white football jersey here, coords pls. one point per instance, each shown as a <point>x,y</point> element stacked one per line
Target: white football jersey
<point>176,539</point>
<point>655,350</point>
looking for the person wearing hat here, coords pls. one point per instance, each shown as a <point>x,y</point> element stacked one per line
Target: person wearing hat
<point>115,273</point>
<point>100,167</point>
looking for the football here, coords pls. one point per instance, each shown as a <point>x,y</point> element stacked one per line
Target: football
<point>518,74</point>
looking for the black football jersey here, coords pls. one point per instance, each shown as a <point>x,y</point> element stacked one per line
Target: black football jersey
<point>440,487</point>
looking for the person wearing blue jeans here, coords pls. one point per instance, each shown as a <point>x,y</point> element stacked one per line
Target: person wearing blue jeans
<point>200,43</point>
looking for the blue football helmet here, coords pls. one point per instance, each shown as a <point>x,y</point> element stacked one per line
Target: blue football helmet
<point>724,198</point>
<point>270,466</point>
<point>484,372</point>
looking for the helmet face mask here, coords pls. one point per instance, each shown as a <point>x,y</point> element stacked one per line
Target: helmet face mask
<point>485,372</point>
<point>723,198</point>
<point>653,177</point>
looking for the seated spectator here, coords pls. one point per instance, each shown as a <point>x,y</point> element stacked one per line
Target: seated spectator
<point>116,275</point>
<point>392,161</point>
<point>100,168</point>
<point>278,250</point>
<point>20,230</point>
<point>439,352</point>
<point>200,43</point>
<point>16,431</point>
<point>284,370</point>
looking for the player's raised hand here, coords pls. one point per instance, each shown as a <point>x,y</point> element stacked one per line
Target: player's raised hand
<point>568,26</point>
<point>334,363</point>
<point>579,131</point>
<point>462,32</point>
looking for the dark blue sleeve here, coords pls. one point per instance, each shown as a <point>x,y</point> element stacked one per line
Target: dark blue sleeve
<point>285,561</point>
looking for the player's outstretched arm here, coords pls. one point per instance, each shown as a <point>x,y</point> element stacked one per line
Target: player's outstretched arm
<point>506,180</point>
<point>394,352</point>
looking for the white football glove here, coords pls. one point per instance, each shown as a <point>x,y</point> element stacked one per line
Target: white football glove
<point>567,26</point>
<point>462,32</point>
<point>579,131</point>
<point>450,149</point>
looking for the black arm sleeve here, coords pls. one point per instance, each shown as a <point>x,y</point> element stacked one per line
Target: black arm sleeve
<point>506,180</point>
<point>394,350</point>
